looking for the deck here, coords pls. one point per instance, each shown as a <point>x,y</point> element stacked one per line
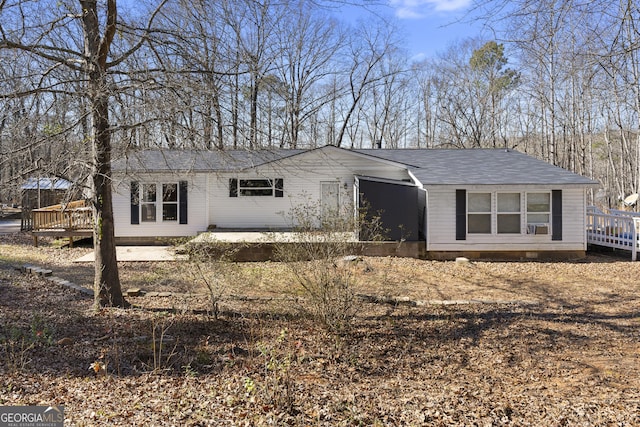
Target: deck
<point>73,219</point>
<point>616,229</point>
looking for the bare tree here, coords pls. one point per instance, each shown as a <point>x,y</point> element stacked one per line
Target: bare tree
<point>78,37</point>
<point>368,46</point>
<point>310,42</point>
<point>461,101</point>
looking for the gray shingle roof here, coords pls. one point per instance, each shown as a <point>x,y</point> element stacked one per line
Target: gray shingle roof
<point>197,161</point>
<point>429,166</point>
<point>479,166</point>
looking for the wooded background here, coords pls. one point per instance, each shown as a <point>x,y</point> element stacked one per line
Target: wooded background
<point>560,80</point>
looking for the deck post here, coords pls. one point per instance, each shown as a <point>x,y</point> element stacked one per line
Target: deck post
<point>634,246</point>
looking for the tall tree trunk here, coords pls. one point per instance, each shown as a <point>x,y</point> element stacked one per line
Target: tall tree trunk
<point>107,289</point>
<point>107,281</point>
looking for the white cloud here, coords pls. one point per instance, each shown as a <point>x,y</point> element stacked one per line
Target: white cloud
<point>414,9</point>
<point>421,56</point>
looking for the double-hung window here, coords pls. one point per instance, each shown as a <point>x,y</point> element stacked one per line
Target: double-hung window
<point>479,213</point>
<point>508,215</point>
<point>148,205</point>
<point>538,213</point>
<point>501,213</point>
<point>171,203</point>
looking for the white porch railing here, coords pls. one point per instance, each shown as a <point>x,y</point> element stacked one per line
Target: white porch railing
<point>624,213</point>
<point>620,230</point>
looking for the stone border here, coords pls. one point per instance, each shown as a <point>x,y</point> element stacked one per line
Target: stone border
<point>420,303</point>
<point>396,300</point>
<point>48,275</point>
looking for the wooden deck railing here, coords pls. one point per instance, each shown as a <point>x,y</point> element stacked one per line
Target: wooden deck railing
<point>619,231</point>
<point>64,220</point>
<point>71,216</point>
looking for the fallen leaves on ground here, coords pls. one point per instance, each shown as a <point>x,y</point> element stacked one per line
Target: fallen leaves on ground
<point>570,358</point>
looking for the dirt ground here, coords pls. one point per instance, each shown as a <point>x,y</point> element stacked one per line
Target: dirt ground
<point>484,343</point>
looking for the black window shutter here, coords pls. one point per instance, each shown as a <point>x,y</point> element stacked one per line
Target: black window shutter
<point>556,215</point>
<point>135,202</point>
<point>182,190</point>
<point>233,187</point>
<point>461,214</point>
<point>279,187</point>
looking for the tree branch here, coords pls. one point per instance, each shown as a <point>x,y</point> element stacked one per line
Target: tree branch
<point>143,38</point>
<point>37,50</point>
<point>109,33</point>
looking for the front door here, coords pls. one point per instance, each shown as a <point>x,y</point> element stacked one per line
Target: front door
<point>329,201</point>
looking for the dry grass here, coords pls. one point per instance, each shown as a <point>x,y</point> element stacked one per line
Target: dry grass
<point>570,358</point>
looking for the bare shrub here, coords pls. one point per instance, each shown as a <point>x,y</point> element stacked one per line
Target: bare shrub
<point>321,255</point>
<point>212,267</point>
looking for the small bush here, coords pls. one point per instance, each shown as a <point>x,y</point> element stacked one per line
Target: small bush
<point>211,264</point>
<point>318,255</point>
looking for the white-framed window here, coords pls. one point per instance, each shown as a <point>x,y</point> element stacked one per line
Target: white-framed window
<point>538,212</point>
<point>148,203</point>
<point>170,202</point>
<point>479,213</point>
<point>509,220</point>
<point>264,187</point>
<point>502,212</point>
<point>170,205</point>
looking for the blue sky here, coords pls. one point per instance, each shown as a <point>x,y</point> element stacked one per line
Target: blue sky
<point>430,26</point>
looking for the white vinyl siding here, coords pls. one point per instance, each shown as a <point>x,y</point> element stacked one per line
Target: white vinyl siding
<point>441,218</point>
<point>196,206</point>
<point>302,176</point>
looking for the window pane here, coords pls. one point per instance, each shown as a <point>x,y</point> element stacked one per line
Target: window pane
<point>170,212</point>
<point>169,192</point>
<point>479,202</point>
<point>480,223</point>
<point>538,202</point>
<point>255,183</point>
<point>256,191</point>
<point>509,223</point>
<point>149,193</point>
<point>279,187</point>
<point>538,218</point>
<point>256,187</point>
<point>508,202</point>
<point>148,212</point>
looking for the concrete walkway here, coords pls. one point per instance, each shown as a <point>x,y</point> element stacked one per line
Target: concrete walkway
<point>139,253</point>
<point>267,237</point>
<point>167,253</point>
<point>8,226</point>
